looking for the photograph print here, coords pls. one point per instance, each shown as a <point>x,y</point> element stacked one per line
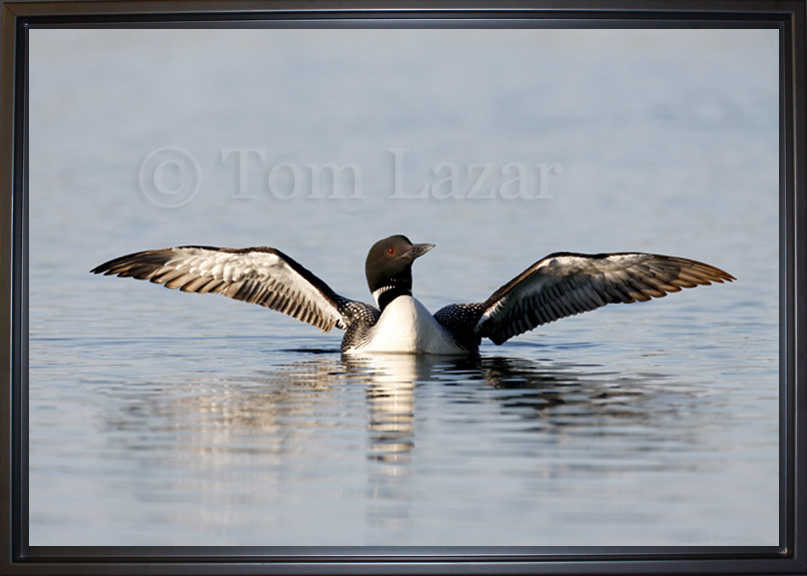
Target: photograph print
<point>481,286</point>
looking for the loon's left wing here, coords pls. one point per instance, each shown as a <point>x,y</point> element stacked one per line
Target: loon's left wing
<point>565,283</point>
<point>263,276</point>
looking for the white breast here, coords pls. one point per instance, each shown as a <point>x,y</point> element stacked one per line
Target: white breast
<point>406,326</point>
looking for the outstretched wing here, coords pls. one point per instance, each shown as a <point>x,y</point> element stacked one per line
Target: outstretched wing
<point>261,275</point>
<point>565,283</point>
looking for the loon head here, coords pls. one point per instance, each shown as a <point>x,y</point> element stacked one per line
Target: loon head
<point>389,267</point>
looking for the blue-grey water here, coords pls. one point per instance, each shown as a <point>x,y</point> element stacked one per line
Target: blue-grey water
<point>162,418</point>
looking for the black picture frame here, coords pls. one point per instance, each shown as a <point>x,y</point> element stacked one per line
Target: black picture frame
<point>17,557</point>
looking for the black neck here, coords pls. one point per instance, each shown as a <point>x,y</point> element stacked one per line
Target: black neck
<point>391,294</point>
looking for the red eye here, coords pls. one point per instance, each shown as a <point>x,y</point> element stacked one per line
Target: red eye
<point>391,251</point>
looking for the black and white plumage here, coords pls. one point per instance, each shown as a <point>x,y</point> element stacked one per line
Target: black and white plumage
<point>559,285</point>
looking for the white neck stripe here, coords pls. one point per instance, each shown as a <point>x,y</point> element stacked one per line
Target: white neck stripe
<point>377,294</point>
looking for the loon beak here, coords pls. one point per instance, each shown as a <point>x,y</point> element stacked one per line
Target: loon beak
<point>417,250</point>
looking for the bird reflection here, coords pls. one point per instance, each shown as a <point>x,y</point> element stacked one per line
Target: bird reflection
<point>290,399</point>
<point>391,403</point>
<point>291,417</point>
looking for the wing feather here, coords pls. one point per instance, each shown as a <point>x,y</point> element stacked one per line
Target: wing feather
<point>566,283</point>
<point>262,275</point>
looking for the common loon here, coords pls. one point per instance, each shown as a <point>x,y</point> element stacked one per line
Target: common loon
<point>559,285</point>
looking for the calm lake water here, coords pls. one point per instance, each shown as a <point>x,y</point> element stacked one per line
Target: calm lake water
<point>161,418</point>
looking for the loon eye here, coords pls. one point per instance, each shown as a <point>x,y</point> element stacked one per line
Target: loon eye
<point>391,251</point>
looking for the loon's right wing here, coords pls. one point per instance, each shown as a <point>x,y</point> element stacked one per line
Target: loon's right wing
<point>260,275</point>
